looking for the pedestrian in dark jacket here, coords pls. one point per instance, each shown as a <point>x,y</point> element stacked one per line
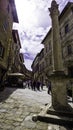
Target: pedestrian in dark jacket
<point>42,86</point>
<point>34,85</point>
<point>49,87</point>
<point>38,85</point>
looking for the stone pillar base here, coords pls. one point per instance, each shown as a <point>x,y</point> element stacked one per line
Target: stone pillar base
<point>49,115</point>
<point>65,111</point>
<point>58,90</point>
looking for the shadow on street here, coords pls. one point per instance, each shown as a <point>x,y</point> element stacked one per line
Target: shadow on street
<point>6,93</point>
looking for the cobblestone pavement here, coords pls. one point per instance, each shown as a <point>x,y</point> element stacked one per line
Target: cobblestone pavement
<point>17,106</point>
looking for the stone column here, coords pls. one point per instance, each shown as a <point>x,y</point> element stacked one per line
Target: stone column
<point>59,99</point>
<point>57,53</point>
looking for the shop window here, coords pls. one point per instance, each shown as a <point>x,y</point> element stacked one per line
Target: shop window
<point>1,51</point>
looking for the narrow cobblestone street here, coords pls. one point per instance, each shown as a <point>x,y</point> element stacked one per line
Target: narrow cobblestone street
<point>17,107</point>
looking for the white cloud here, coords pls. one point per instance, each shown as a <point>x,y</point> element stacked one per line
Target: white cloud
<point>31,41</point>
<point>33,13</point>
<point>28,64</point>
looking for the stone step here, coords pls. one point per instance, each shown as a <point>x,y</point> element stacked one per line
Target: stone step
<point>49,115</point>
<point>60,113</point>
<point>59,120</point>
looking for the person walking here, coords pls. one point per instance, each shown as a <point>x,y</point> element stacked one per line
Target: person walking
<point>34,85</point>
<point>49,87</point>
<point>38,85</point>
<point>42,86</point>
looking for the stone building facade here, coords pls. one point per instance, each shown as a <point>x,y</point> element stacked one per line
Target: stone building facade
<point>47,41</point>
<point>16,52</point>
<point>8,15</point>
<point>66,35</point>
<point>35,67</point>
<point>41,77</point>
<point>66,41</point>
<point>21,63</point>
<point>17,58</point>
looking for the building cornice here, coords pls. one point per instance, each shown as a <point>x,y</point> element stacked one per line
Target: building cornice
<point>65,9</point>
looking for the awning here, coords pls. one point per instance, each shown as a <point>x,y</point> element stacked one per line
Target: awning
<point>18,75</point>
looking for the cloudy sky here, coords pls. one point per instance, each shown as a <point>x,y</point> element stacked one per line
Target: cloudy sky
<point>34,23</point>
